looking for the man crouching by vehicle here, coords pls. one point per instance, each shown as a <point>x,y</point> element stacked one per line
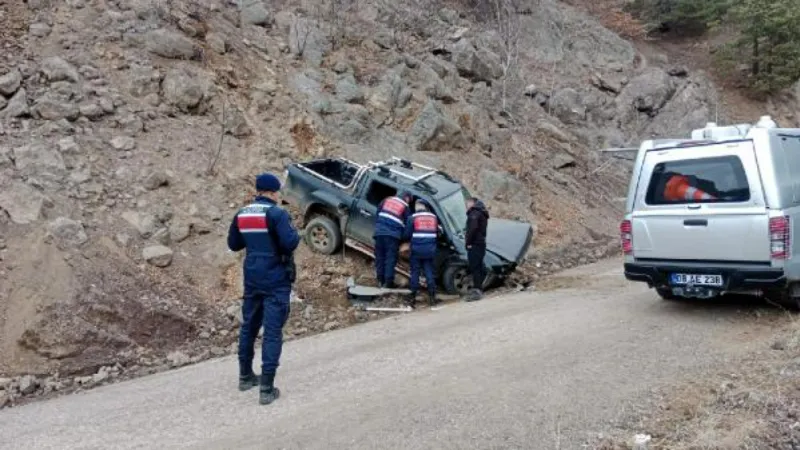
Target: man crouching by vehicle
<point>422,230</point>
<point>266,231</point>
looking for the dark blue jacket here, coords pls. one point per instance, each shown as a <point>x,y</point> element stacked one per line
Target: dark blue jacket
<point>391,218</point>
<point>266,231</point>
<point>422,231</point>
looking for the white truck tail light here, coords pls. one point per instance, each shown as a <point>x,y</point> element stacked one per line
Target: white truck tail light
<point>626,236</point>
<point>780,232</point>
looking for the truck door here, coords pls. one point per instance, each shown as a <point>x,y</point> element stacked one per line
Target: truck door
<point>361,223</point>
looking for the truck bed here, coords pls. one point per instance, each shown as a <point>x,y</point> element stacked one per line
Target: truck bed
<point>340,171</point>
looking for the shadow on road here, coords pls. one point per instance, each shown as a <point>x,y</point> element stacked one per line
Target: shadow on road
<point>727,305</point>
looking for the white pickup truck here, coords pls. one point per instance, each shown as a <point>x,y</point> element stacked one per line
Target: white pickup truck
<point>716,213</point>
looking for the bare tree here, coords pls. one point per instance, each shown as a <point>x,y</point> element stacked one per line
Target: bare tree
<point>300,32</point>
<point>222,120</point>
<point>508,26</point>
<point>335,16</point>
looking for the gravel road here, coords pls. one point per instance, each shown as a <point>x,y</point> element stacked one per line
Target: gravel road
<point>532,370</point>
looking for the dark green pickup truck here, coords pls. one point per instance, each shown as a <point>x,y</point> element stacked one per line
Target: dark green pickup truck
<point>339,201</point>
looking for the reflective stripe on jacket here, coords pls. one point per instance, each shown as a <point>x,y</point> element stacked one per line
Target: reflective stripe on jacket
<point>422,231</point>
<point>392,215</point>
<point>264,263</point>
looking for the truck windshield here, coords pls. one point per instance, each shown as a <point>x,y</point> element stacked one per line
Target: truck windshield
<point>455,210</point>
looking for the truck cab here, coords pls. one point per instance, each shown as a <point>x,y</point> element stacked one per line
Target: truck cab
<point>340,198</point>
<point>716,213</point>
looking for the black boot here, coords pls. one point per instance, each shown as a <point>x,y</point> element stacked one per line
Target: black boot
<point>432,300</point>
<point>247,382</point>
<point>269,393</point>
<point>411,299</point>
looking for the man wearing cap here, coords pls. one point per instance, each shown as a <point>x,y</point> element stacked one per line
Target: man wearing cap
<point>389,228</point>
<point>422,231</point>
<point>265,231</point>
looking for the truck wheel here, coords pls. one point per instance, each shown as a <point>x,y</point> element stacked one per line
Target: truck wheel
<point>323,235</point>
<point>666,294</point>
<point>456,280</point>
<point>784,299</point>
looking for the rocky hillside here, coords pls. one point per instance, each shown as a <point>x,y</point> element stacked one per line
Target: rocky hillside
<point>131,131</point>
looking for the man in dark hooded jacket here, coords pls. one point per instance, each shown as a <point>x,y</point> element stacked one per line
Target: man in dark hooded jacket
<point>477,222</point>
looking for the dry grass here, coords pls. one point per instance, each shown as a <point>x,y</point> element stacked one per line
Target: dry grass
<point>753,403</point>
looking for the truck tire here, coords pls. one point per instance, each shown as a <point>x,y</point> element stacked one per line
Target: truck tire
<point>456,279</point>
<point>666,294</point>
<point>323,235</point>
<point>784,299</point>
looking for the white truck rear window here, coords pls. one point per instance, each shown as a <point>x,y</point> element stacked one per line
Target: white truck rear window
<point>702,180</point>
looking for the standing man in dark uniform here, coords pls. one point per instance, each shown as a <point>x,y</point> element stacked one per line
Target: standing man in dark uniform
<point>422,230</point>
<point>477,222</point>
<point>389,228</point>
<point>266,231</point>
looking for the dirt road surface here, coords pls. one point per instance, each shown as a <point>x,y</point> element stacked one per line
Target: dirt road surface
<point>532,370</point>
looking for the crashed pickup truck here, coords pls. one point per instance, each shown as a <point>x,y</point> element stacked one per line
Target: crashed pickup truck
<point>339,200</point>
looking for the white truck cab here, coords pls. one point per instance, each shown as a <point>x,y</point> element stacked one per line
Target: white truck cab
<point>716,213</point>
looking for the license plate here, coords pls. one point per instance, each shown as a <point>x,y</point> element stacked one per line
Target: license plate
<point>697,280</point>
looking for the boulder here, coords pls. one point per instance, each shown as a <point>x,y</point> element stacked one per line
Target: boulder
<point>435,87</point>
<point>348,91</point>
<point>162,236</point>
<point>52,106</point>
<point>449,16</point>
<point>502,186</point>
<point>179,231</point>
<point>611,84</point>
<point>123,143</point>
<point>388,95</point>
<point>68,146</point>
<point>39,30</point>
<point>253,12</point>
<point>3,102</point>
<point>307,83</point>
<point>170,44</point>
<point>39,159</point>
<point>237,125</point>
<point>688,108</point>
<point>28,384</point>
<point>433,131</point>
<point>563,160</point>
<point>22,203</point>
<point>92,111</point>
<point>56,69</point>
<point>157,255</point>
<point>567,104</point>
<point>144,82</point>
<point>10,82</point>
<point>647,93</point>
<point>184,89</point>
<point>18,105</point>
<point>145,224</point>
<point>155,180</point>
<point>477,64</point>
<point>67,232</point>
<point>217,43</point>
